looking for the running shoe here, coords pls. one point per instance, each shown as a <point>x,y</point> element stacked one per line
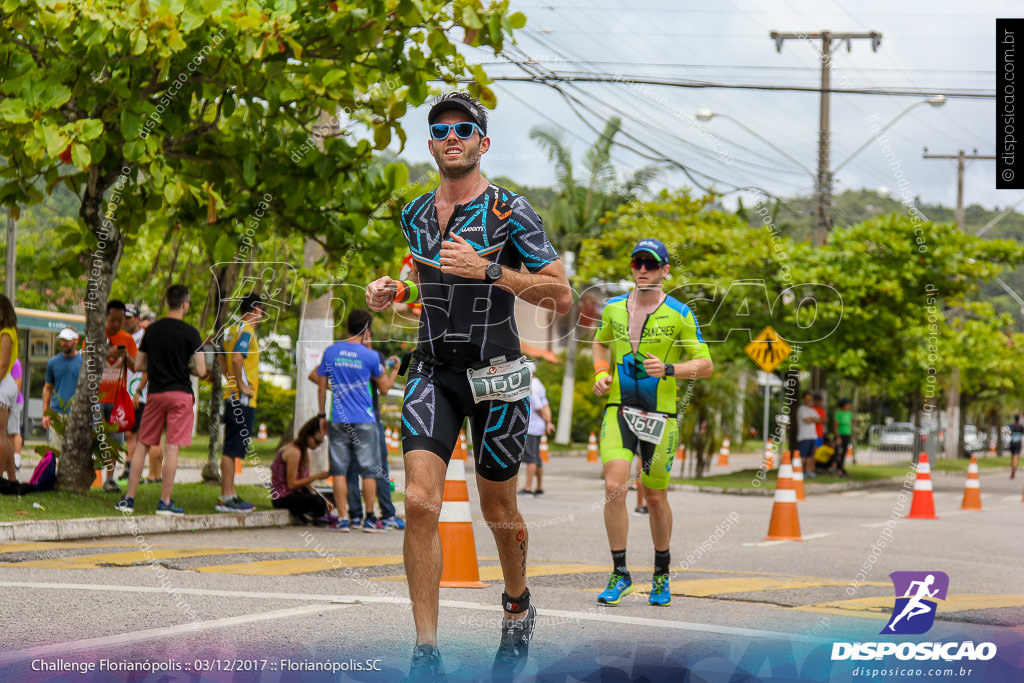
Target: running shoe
<point>640,511</point>
<point>524,492</point>
<point>618,587</point>
<point>427,665</point>
<point>660,595</point>
<point>341,525</point>
<point>393,523</point>
<point>233,504</point>
<point>170,508</point>
<point>110,486</point>
<point>538,492</point>
<point>372,525</point>
<point>126,504</point>
<point>515,646</point>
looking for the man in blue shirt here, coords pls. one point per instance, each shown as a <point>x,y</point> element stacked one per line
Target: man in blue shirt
<point>61,381</point>
<point>348,367</point>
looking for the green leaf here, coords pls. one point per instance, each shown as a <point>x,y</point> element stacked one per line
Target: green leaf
<point>56,141</point>
<point>172,193</point>
<point>88,129</point>
<point>228,104</point>
<point>517,20</point>
<point>13,110</point>
<point>80,156</point>
<point>131,124</point>
<point>139,41</point>
<point>470,18</point>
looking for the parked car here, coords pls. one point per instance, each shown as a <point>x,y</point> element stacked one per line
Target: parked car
<point>899,435</point>
<point>974,440</point>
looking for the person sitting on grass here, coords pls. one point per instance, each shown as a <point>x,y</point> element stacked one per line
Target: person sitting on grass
<point>290,482</point>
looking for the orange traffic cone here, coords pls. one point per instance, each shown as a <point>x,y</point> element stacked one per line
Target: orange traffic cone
<point>459,567</point>
<point>592,448</point>
<point>544,448</point>
<point>396,441</point>
<point>238,466</point>
<point>98,481</point>
<point>460,447</point>
<point>798,476</point>
<point>785,522</point>
<point>262,434</point>
<point>723,455</point>
<point>922,506</point>
<point>462,442</point>
<point>769,456</point>
<point>972,487</point>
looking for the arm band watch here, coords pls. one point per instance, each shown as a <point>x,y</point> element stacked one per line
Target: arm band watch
<point>601,370</point>
<point>407,293</point>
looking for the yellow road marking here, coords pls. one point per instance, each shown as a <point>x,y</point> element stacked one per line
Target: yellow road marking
<point>31,547</point>
<point>303,565</point>
<point>126,558</point>
<point>871,608</point>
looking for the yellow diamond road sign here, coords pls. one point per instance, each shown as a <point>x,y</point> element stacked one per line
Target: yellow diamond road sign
<point>768,349</point>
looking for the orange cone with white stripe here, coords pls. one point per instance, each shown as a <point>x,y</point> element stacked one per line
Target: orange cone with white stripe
<point>785,522</point>
<point>461,446</point>
<point>459,568</point>
<point>972,487</point>
<point>544,448</point>
<point>769,456</point>
<point>592,448</point>
<point>798,476</point>
<point>261,435</point>
<point>723,454</point>
<point>922,506</point>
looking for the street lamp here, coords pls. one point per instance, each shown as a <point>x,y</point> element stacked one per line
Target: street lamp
<point>707,115</point>
<point>935,101</point>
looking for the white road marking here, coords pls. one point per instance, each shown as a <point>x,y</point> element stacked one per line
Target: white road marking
<point>768,544</point>
<point>157,633</point>
<point>337,602</point>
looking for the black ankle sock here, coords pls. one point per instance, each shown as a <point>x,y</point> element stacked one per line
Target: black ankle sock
<point>662,561</point>
<point>619,562</point>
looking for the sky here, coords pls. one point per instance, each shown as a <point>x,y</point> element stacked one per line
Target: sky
<point>926,47</point>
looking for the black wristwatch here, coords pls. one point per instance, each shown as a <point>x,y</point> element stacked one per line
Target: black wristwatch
<point>493,272</point>
<point>670,370</point>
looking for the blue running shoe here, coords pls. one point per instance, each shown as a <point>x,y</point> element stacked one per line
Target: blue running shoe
<point>170,508</point>
<point>126,504</point>
<point>342,525</point>
<point>393,523</point>
<point>618,587</point>
<point>660,595</point>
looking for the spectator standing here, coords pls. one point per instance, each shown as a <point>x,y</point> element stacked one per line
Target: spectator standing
<point>540,424</point>
<point>61,382</point>
<point>166,349</point>
<point>349,367</point>
<point>8,387</point>
<point>387,520</point>
<point>121,352</point>
<point>819,427</point>
<point>241,365</point>
<point>14,421</point>
<point>132,327</point>
<point>807,433</point>
<point>842,425</point>
<point>139,395</point>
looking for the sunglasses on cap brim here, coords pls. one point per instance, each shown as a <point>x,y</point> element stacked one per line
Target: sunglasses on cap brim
<point>463,130</point>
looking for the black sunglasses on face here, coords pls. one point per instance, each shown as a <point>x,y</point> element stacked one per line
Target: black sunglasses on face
<point>441,131</point>
<point>645,263</point>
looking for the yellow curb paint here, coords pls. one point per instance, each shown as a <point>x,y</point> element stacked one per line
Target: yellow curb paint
<point>303,565</point>
<point>126,559</point>
<point>51,545</point>
<point>871,608</point>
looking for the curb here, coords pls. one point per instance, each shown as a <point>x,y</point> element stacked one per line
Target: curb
<point>130,525</point>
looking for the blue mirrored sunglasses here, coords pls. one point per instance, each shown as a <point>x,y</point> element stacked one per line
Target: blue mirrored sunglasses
<point>465,129</point>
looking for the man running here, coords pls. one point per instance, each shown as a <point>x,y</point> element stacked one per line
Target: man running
<point>643,335</point>
<point>469,240</point>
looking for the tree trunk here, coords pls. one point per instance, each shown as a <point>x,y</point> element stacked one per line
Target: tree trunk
<point>76,471</point>
<point>564,432</point>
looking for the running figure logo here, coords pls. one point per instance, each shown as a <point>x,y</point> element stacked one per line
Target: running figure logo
<point>914,612</point>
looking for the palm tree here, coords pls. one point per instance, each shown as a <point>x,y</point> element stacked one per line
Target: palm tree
<point>575,216</point>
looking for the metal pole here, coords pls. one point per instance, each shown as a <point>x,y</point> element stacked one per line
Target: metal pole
<point>960,191</point>
<point>767,397</point>
<point>824,223</point>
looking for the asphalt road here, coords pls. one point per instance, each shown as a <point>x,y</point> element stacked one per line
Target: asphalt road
<point>212,605</point>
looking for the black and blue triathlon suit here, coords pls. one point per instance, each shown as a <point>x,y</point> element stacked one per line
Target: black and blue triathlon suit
<point>467,324</point>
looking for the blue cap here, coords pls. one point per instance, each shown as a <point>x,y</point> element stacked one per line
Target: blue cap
<point>653,246</point>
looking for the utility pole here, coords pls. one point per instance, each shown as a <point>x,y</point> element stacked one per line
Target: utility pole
<point>823,183</point>
<point>823,180</point>
<point>960,157</point>
<point>951,446</point>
